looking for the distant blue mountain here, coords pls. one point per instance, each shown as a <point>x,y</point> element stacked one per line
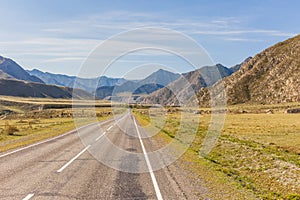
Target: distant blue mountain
<point>15,81</point>
<point>148,85</point>
<point>87,84</point>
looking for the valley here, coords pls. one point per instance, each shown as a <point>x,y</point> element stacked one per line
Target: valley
<point>246,115</point>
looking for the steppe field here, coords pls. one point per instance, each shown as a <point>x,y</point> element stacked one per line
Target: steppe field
<point>256,155</point>
<point>27,120</point>
<point>257,152</point>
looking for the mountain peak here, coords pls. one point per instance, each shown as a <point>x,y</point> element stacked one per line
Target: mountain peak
<point>161,77</point>
<point>219,65</point>
<point>14,70</point>
<point>162,70</point>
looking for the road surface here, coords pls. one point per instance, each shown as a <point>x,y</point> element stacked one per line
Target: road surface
<point>63,168</point>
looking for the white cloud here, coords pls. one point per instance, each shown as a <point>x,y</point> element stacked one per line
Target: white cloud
<point>108,24</point>
<point>243,40</point>
<point>244,32</point>
<point>70,41</point>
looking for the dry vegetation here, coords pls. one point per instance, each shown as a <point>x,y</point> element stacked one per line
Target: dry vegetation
<point>257,155</point>
<point>27,120</point>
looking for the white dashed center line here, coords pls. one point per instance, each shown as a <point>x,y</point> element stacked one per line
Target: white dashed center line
<point>98,138</point>
<point>68,163</point>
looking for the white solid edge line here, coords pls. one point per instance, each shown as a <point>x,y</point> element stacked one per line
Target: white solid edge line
<point>45,141</point>
<point>74,158</point>
<point>29,196</point>
<point>156,187</point>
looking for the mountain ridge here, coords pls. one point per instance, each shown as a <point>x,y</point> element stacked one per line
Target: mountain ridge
<point>14,70</point>
<point>87,84</point>
<point>197,79</point>
<point>31,89</point>
<point>15,81</point>
<point>151,83</point>
<point>271,76</point>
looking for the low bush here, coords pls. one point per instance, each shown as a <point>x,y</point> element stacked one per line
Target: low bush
<point>10,130</point>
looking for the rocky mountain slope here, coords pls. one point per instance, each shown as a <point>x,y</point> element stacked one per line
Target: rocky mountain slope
<point>203,77</point>
<point>238,66</point>
<point>272,76</point>
<point>161,77</point>
<point>151,83</point>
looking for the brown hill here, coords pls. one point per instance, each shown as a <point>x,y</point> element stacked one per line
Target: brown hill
<point>272,76</point>
<point>179,90</point>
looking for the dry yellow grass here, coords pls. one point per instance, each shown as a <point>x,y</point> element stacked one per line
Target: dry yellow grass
<point>256,153</point>
<point>281,130</point>
<point>24,126</point>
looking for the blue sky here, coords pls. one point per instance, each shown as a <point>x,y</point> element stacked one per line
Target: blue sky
<point>57,36</point>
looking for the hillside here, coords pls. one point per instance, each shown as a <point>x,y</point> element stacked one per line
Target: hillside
<point>104,91</point>
<point>161,77</point>
<point>147,88</point>
<point>30,89</point>
<point>15,81</point>
<point>212,74</point>
<point>203,77</point>
<point>4,75</point>
<point>151,83</point>
<point>238,66</point>
<point>13,70</point>
<point>271,76</point>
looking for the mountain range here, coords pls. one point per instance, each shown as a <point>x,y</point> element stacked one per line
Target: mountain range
<point>10,69</point>
<point>151,83</point>
<point>107,86</point>
<point>87,84</point>
<point>15,81</point>
<point>179,89</point>
<point>271,76</point>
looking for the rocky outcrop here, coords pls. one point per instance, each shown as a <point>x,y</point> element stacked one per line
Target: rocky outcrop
<point>272,76</point>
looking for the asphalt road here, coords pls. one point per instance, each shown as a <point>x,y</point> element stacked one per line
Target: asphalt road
<point>64,168</point>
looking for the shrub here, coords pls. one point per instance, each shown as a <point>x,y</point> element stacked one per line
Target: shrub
<point>10,130</point>
<point>293,197</point>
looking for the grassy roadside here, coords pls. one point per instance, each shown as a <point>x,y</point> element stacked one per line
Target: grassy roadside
<point>20,132</point>
<point>257,155</point>
<point>24,121</point>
